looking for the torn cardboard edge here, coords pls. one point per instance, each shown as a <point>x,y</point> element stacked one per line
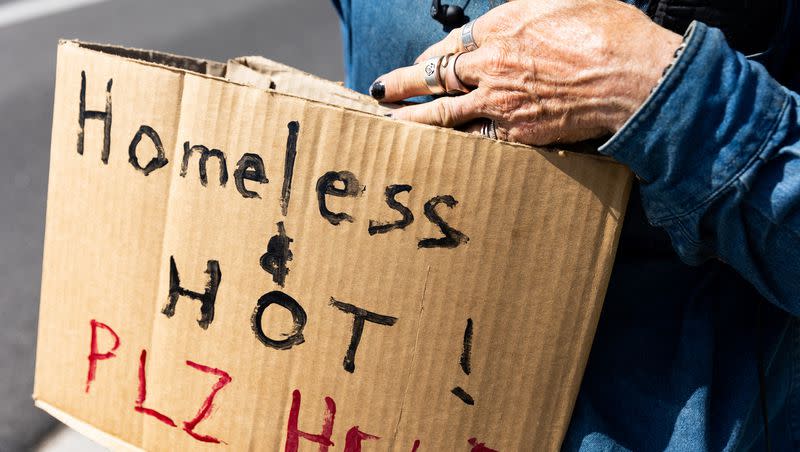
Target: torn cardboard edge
<point>95,434</point>
<point>250,71</point>
<point>184,63</point>
<point>259,72</point>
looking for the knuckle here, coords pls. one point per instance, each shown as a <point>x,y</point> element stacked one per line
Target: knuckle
<point>481,103</point>
<point>450,112</point>
<point>504,105</point>
<point>443,113</point>
<point>508,104</point>
<point>458,111</point>
<point>500,59</point>
<point>530,112</point>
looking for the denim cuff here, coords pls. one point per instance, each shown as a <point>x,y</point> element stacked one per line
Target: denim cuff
<point>701,127</point>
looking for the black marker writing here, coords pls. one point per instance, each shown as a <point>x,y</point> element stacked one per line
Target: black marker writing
<point>466,353</point>
<point>467,350</point>
<point>159,161</point>
<point>295,337</point>
<point>105,116</point>
<point>249,167</point>
<point>207,298</point>
<point>452,237</point>
<point>205,153</point>
<point>462,394</point>
<point>288,164</point>
<point>360,316</point>
<point>376,227</point>
<point>277,255</point>
<point>326,186</point>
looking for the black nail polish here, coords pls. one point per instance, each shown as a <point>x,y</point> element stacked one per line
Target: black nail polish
<point>377,90</point>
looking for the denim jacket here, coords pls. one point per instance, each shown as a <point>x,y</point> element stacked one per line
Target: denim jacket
<point>699,335</point>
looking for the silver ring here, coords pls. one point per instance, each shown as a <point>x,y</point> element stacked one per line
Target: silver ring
<point>452,82</point>
<point>467,40</point>
<point>430,70</point>
<point>489,128</point>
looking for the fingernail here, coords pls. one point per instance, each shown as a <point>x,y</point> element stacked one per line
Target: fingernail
<point>377,90</point>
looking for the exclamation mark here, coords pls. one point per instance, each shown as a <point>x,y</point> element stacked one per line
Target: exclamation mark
<point>288,165</point>
<point>466,354</point>
<point>274,260</point>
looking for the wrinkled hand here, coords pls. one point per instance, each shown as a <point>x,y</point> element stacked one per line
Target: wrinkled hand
<point>546,71</point>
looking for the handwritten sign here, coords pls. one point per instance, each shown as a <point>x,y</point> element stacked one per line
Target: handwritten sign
<point>228,267</point>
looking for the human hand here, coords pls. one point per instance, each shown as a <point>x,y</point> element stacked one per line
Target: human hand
<point>545,71</point>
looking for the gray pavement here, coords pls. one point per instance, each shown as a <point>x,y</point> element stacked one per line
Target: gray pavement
<point>301,33</point>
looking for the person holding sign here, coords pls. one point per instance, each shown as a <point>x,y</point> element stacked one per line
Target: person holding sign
<point>701,356</point>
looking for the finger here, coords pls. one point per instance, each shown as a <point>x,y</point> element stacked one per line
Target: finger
<point>399,84</point>
<point>409,81</point>
<point>452,42</point>
<point>444,112</point>
<point>469,67</point>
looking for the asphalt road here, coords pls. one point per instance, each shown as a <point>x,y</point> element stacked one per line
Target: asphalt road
<point>303,33</point>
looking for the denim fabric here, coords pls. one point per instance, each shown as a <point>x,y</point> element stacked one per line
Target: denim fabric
<point>706,283</point>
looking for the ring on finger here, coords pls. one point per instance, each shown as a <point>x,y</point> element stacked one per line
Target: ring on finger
<point>452,82</point>
<point>489,128</point>
<point>433,80</point>
<point>467,38</point>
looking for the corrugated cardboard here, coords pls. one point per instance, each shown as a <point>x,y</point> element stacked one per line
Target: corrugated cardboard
<point>476,284</point>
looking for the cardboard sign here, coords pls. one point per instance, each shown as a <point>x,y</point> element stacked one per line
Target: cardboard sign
<point>230,267</point>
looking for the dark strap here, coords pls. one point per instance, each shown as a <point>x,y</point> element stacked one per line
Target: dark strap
<point>749,26</point>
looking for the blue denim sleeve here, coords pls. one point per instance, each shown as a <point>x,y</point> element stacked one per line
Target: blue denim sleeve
<point>717,149</point>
